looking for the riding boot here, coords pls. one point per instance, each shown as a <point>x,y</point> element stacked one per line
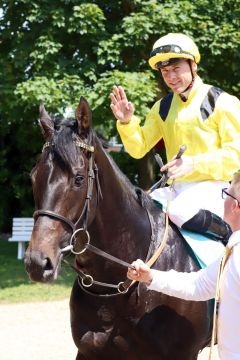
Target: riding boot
<point>209,224</point>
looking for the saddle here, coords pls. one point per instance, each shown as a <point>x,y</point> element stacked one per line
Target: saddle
<point>204,249</point>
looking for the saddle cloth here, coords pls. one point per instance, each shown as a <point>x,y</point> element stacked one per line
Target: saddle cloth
<point>205,250</point>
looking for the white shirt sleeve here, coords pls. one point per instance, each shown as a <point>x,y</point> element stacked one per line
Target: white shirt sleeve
<point>198,286</point>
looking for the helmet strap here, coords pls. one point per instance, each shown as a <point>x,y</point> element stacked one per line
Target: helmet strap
<point>182,94</point>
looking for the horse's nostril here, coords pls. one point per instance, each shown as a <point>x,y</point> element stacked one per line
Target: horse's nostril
<point>47,264</point>
<point>40,267</point>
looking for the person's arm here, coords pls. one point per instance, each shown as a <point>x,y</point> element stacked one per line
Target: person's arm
<point>223,162</point>
<point>139,140</point>
<point>198,286</point>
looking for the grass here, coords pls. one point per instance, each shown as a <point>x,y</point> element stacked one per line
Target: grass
<point>16,287</point>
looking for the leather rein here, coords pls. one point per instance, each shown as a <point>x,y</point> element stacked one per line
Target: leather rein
<point>85,281</point>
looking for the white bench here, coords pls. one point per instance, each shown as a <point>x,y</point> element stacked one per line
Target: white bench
<point>21,232</point>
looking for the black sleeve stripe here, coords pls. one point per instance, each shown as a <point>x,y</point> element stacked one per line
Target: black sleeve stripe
<point>209,102</point>
<point>165,106</point>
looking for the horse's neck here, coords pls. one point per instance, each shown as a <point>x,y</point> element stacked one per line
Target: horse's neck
<point>116,189</point>
<point>128,228</point>
<point>120,218</point>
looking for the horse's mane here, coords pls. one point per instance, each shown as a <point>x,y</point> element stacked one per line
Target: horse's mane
<point>66,131</point>
<point>140,195</point>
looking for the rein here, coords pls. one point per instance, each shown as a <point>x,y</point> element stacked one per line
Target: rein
<point>86,280</point>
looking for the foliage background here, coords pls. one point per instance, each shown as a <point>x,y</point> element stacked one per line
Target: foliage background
<point>54,51</point>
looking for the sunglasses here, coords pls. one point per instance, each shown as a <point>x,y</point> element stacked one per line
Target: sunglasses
<point>225,194</point>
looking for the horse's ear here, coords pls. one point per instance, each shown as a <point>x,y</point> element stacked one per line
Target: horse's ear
<point>46,123</point>
<point>83,115</point>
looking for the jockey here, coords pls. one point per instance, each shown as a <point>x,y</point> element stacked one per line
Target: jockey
<point>204,118</point>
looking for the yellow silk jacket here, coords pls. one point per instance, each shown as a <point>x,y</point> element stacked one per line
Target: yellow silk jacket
<point>208,123</point>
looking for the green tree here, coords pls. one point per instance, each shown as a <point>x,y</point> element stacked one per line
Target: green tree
<point>54,51</point>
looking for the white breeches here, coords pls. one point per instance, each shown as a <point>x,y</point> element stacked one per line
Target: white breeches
<point>188,198</point>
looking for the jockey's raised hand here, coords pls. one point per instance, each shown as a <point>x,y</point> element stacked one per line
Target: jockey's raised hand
<point>122,109</point>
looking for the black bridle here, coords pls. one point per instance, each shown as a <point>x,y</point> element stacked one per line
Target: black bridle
<point>92,174</point>
<point>86,280</point>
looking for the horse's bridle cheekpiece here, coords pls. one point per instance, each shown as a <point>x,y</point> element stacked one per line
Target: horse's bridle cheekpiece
<point>86,280</point>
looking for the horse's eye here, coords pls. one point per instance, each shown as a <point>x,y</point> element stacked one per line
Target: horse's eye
<point>79,180</point>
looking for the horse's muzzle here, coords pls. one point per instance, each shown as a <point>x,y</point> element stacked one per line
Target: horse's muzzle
<point>39,267</point>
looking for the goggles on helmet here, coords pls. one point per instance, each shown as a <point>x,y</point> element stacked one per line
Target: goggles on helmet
<point>165,49</point>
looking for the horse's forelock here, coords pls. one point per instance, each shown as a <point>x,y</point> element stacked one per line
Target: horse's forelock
<point>64,146</point>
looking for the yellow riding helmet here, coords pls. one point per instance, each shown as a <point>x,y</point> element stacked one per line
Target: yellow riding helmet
<point>173,46</point>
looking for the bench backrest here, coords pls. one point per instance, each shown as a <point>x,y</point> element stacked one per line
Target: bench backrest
<point>22,228</point>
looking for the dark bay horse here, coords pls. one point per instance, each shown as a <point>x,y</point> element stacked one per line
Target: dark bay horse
<point>78,189</point>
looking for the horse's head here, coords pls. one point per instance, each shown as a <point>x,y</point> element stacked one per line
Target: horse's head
<point>63,174</point>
